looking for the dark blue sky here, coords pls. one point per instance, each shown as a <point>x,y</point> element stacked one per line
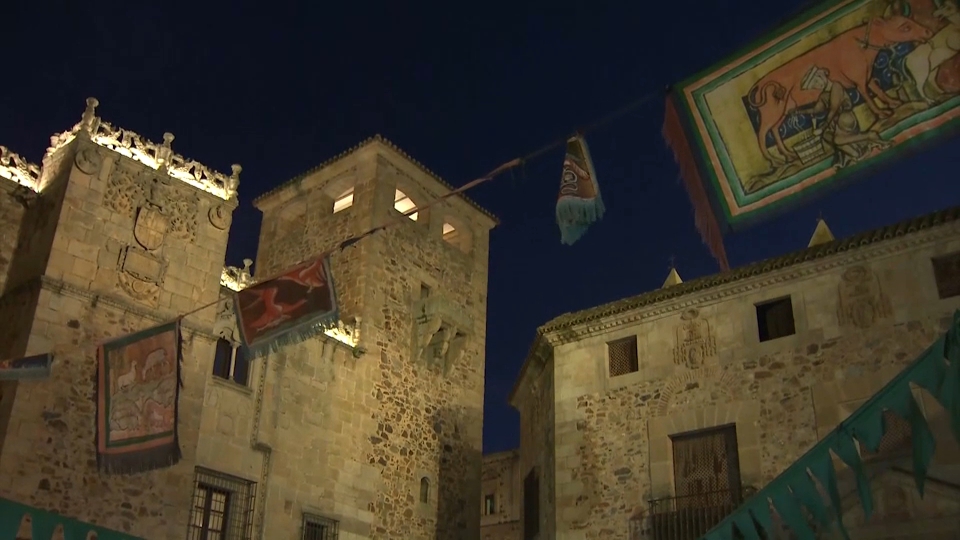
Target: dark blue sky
<point>461,87</point>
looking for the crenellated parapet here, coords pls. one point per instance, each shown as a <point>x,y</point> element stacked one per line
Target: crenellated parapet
<point>17,169</point>
<point>157,156</point>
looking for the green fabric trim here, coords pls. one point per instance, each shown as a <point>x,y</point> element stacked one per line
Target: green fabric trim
<point>937,370</point>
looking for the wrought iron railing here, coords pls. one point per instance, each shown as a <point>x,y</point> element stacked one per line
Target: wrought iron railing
<point>688,517</point>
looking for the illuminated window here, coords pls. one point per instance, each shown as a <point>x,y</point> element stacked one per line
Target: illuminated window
<point>404,204</point>
<point>450,233</point>
<point>344,201</point>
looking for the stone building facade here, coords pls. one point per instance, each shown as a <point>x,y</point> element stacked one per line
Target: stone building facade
<point>500,495</point>
<point>638,408</point>
<point>372,430</point>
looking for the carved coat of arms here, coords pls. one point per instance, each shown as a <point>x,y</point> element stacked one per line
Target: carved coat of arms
<point>695,342</point>
<point>151,227</point>
<point>861,300</point>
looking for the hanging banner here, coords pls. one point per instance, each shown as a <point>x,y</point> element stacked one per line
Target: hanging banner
<point>138,391</point>
<point>22,522</point>
<point>579,204</point>
<point>288,309</point>
<point>841,88</point>
<point>31,367</point>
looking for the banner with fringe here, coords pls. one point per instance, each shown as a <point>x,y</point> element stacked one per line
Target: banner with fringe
<point>22,522</point>
<point>840,89</point>
<point>290,308</point>
<point>803,485</point>
<point>138,391</point>
<point>31,367</point>
<point>579,204</point>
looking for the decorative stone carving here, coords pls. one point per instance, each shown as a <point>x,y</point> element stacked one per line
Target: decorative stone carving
<point>440,333</point>
<point>88,160</point>
<point>861,301</point>
<point>124,193</point>
<point>220,217</point>
<point>237,279</point>
<point>141,274</point>
<point>695,342</point>
<point>225,325</point>
<point>15,168</point>
<point>127,194</point>
<point>151,227</point>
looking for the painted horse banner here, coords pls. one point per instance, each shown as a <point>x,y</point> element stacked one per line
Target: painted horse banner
<point>841,88</point>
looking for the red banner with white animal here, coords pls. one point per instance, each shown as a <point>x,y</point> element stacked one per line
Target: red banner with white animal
<point>837,90</point>
<point>292,307</point>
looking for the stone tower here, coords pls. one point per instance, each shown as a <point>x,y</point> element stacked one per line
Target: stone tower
<point>110,235</point>
<point>391,439</point>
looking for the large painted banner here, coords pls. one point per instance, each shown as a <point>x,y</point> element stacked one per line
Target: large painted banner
<point>839,89</point>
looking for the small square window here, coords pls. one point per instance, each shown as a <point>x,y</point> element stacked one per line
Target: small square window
<point>622,357</point>
<point>344,201</point>
<point>775,319</point>
<point>946,272</point>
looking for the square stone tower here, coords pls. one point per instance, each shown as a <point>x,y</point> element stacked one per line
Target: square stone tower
<point>392,434</point>
<point>112,234</point>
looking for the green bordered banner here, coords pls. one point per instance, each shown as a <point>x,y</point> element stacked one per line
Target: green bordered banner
<point>838,90</point>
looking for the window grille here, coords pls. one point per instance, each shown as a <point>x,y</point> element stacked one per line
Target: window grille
<point>706,467</point>
<point>319,528</point>
<point>622,356</point>
<point>230,362</point>
<point>222,507</point>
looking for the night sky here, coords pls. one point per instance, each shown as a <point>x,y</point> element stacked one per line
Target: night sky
<point>462,88</point>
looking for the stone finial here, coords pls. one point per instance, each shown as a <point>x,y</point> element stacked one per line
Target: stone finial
<point>89,122</point>
<point>233,182</point>
<point>673,278</point>
<point>821,235</point>
<point>165,151</point>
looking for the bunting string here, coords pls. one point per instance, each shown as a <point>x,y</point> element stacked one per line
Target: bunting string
<point>519,162</point>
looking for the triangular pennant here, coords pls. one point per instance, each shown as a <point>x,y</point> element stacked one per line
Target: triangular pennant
<point>847,451</point>
<point>821,467</point>
<point>790,512</point>
<point>806,492</point>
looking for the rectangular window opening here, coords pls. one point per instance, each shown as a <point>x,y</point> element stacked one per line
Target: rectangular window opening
<point>622,356</point>
<point>775,319</point>
<point>319,528</point>
<point>531,505</point>
<point>230,362</point>
<point>489,504</point>
<point>344,201</point>
<point>222,507</point>
<point>946,272</point>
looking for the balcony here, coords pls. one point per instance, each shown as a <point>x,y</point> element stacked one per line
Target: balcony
<point>688,517</point>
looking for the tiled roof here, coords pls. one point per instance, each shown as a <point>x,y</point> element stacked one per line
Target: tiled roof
<point>816,252</point>
<point>394,147</point>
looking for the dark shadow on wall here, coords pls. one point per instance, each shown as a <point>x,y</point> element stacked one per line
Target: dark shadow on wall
<point>458,478</point>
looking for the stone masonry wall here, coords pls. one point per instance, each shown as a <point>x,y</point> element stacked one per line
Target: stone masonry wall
<point>501,479</point>
<point>48,457</point>
<point>614,452</point>
<point>538,445</point>
<point>11,214</point>
<point>381,422</point>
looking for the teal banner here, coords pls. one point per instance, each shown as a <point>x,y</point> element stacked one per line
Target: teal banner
<point>21,522</point>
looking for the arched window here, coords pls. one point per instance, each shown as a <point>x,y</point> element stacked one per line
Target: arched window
<point>343,201</point>
<point>404,204</point>
<point>424,489</point>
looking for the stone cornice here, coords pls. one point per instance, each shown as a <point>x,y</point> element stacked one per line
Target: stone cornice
<point>806,263</point>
